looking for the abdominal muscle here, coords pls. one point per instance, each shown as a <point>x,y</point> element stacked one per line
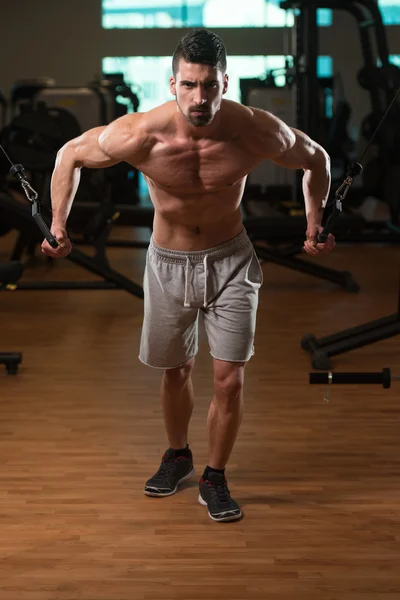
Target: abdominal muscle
<point>196,221</point>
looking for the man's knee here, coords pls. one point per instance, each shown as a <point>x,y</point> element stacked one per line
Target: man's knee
<point>179,375</point>
<point>228,381</point>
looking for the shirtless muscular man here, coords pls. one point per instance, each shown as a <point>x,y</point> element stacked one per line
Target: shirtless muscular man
<point>195,153</point>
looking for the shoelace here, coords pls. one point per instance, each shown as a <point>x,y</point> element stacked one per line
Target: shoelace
<point>165,469</point>
<point>221,491</point>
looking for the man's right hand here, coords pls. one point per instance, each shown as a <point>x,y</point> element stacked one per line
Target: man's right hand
<point>64,243</point>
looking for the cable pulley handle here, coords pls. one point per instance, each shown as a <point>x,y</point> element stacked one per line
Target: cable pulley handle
<point>353,171</point>
<point>37,217</point>
<point>348,378</point>
<point>18,172</point>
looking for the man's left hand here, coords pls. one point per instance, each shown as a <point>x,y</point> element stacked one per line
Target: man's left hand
<point>311,246</point>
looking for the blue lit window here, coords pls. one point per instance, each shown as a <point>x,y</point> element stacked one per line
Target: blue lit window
<point>141,14</point>
<point>390,10</point>
<point>324,17</point>
<point>395,59</point>
<point>324,66</point>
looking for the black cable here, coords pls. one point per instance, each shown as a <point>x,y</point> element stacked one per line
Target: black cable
<point>6,155</point>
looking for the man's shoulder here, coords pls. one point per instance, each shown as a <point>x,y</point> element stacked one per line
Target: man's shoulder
<point>136,132</point>
<point>244,117</point>
<point>262,132</point>
<point>236,109</point>
<point>159,117</point>
<point>146,120</point>
<point>264,123</point>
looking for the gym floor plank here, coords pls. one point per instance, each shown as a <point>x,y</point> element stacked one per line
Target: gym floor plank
<point>81,430</point>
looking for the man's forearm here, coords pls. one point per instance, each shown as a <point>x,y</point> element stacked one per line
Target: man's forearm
<point>316,187</point>
<point>64,184</point>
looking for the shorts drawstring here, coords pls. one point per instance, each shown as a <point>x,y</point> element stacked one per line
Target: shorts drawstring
<point>205,280</point>
<point>186,302</point>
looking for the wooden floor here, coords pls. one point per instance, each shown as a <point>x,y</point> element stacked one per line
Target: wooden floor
<point>81,430</point>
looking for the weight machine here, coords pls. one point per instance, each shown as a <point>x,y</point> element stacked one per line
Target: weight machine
<point>99,102</point>
<point>386,327</point>
<point>379,78</point>
<point>350,339</point>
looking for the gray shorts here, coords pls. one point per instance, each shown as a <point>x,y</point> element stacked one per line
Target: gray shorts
<point>220,283</point>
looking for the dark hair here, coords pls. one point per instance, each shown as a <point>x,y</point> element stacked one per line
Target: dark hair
<point>202,47</point>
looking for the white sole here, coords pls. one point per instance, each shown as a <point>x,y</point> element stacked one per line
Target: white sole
<point>155,494</point>
<point>224,519</point>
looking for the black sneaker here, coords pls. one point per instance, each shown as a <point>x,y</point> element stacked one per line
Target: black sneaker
<point>214,494</point>
<point>173,470</point>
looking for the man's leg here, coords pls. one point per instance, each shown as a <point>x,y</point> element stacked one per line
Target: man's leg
<point>224,418</point>
<point>177,404</point>
<point>230,322</point>
<point>225,412</point>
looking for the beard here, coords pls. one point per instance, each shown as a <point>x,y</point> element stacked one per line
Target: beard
<point>198,120</point>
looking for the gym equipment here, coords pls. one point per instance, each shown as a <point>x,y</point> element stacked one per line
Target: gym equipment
<point>383,378</point>
<point>10,272</point>
<point>23,92</point>
<point>349,339</point>
<point>368,17</point>
<point>35,136</point>
<point>362,335</point>
<point>19,218</point>
<point>124,99</point>
<point>89,105</point>
<point>354,170</point>
<point>99,103</point>
<point>387,326</point>
<point>11,360</point>
<point>380,178</point>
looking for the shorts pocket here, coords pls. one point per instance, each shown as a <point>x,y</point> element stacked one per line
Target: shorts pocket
<point>254,274</point>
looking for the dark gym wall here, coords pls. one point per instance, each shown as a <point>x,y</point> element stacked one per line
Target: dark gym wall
<point>65,40</point>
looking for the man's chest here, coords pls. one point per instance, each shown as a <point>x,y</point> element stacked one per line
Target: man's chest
<point>205,166</point>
